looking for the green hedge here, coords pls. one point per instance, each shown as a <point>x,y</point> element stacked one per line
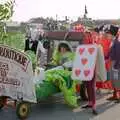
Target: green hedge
<point>14,39</point>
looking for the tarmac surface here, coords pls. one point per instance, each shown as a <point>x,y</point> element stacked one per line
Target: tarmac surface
<point>58,110</point>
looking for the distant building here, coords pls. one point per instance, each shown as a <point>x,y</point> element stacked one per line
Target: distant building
<point>91,23</point>
<point>12,24</point>
<point>84,21</point>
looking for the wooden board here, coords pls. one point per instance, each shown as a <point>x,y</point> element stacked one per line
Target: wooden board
<point>60,35</point>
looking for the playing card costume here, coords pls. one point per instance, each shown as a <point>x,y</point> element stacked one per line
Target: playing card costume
<point>87,67</point>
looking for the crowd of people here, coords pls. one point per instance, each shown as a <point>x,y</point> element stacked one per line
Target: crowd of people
<point>109,39</point>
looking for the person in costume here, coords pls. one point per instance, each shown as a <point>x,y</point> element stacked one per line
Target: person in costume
<point>90,85</point>
<point>60,73</point>
<point>114,31</point>
<point>62,53</point>
<point>83,89</point>
<point>105,41</point>
<point>89,38</point>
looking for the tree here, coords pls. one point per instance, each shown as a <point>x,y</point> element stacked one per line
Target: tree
<point>6,12</point>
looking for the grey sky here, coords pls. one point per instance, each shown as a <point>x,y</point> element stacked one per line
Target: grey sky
<point>97,9</point>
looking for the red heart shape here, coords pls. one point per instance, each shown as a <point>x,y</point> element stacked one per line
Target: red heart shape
<point>84,61</point>
<point>91,50</point>
<point>81,50</point>
<point>86,72</point>
<point>77,72</point>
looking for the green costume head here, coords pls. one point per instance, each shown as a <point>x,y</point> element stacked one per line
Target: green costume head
<point>65,46</point>
<point>63,53</point>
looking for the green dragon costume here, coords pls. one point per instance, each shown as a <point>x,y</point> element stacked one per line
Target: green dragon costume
<point>62,80</point>
<point>58,79</point>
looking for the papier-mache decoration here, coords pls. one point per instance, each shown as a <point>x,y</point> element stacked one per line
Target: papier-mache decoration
<point>84,62</point>
<point>16,75</point>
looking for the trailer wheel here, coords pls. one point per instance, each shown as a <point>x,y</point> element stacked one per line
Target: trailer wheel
<point>23,110</point>
<point>2,102</point>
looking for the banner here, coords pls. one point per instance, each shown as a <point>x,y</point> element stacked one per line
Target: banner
<point>16,75</point>
<point>84,62</point>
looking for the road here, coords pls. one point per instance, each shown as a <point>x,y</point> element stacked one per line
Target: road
<point>57,110</point>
